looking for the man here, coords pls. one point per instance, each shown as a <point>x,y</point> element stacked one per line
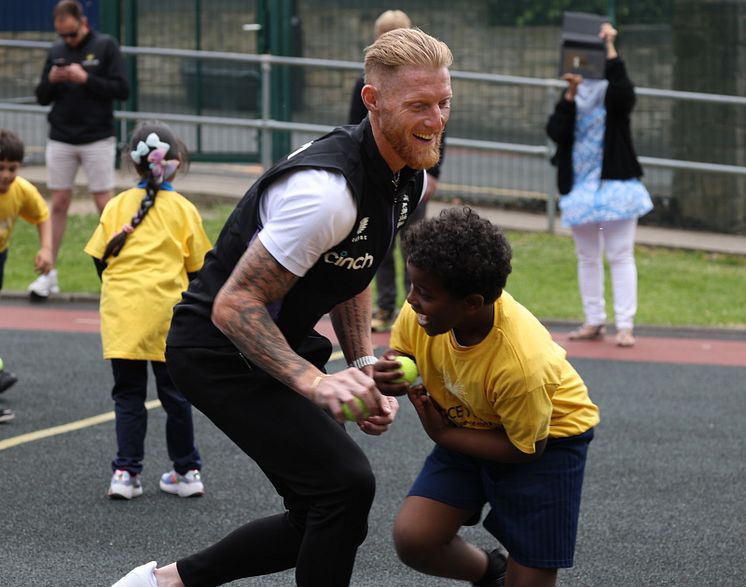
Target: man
<point>383,317</point>
<point>83,75</point>
<point>305,240</point>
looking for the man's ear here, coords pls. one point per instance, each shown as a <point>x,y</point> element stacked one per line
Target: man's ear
<point>370,97</point>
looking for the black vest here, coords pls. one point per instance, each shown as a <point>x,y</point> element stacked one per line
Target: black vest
<point>384,202</point>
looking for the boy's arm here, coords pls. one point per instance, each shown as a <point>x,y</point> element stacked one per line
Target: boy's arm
<point>490,445</point>
<point>43,262</point>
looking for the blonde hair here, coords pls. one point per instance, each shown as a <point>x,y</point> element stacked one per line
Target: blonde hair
<point>405,47</point>
<point>391,20</point>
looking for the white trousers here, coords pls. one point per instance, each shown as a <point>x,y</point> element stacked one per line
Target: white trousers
<point>617,239</point>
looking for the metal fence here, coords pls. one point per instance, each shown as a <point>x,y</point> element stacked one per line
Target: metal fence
<point>213,84</point>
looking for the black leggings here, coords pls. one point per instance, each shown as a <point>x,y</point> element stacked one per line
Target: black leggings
<point>323,476</point>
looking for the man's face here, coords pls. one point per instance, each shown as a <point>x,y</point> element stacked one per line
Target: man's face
<point>70,29</point>
<point>8,173</point>
<point>414,106</point>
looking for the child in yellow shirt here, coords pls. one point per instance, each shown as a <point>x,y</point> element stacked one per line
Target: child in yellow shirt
<point>510,417</point>
<point>148,244</point>
<point>19,199</point>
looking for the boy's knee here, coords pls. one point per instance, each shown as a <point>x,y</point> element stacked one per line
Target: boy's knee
<point>411,545</point>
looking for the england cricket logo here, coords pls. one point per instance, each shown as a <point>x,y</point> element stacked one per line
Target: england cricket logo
<point>359,236</point>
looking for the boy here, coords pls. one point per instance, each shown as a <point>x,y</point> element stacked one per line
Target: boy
<point>18,197</point>
<point>510,417</point>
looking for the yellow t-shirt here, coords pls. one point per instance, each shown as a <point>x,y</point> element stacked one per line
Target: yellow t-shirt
<point>143,283</point>
<point>24,200</point>
<point>517,377</point>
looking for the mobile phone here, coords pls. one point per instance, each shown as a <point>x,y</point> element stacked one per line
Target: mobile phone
<point>60,62</point>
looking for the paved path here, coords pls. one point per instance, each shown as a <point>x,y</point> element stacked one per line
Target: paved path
<point>707,349</point>
<point>663,498</point>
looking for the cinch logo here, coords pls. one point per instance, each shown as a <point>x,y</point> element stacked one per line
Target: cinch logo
<point>342,260</point>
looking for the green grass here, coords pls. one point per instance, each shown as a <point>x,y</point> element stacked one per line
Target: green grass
<point>676,288</point>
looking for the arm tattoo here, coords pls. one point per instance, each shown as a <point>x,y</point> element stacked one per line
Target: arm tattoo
<point>241,310</point>
<point>351,321</point>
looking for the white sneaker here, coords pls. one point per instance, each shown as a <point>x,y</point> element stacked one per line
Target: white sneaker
<point>124,486</point>
<point>44,285</point>
<point>187,485</point>
<point>142,576</point>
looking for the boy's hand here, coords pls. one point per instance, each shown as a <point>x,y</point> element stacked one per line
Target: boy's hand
<point>385,372</point>
<point>43,261</point>
<point>433,420</point>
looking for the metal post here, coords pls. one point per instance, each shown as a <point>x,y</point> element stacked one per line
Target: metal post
<point>550,174</point>
<point>198,67</point>
<point>611,11</point>
<point>266,112</point>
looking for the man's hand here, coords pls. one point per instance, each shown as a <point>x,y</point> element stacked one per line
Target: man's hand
<point>76,74</point>
<point>58,74</point>
<point>573,81</point>
<point>333,391</point>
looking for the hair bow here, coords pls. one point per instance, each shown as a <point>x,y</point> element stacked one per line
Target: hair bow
<point>162,168</point>
<point>153,141</point>
<point>140,150</point>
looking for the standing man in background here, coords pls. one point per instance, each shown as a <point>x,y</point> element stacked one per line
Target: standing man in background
<point>383,317</point>
<point>84,73</point>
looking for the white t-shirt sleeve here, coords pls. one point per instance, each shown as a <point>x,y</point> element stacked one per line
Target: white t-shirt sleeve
<point>303,215</point>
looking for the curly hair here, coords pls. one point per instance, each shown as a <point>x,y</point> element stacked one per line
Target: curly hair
<point>467,253</point>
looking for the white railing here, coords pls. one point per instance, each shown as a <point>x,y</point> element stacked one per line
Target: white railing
<point>266,125</point>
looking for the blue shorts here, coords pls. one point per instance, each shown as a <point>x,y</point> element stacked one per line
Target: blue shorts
<point>534,506</point>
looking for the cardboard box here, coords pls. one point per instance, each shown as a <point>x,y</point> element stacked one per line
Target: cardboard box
<point>582,50</point>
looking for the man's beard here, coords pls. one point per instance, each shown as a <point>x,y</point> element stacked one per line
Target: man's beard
<point>414,157</point>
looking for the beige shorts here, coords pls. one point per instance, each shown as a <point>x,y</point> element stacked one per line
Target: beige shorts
<point>97,160</point>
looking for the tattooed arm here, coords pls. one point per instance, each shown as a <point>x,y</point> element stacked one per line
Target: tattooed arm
<point>240,312</point>
<point>351,321</point>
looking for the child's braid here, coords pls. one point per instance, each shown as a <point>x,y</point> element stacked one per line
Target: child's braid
<point>158,170</point>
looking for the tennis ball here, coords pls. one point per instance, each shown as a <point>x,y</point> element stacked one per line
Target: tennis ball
<point>348,412</point>
<point>2,365</point>
<point>410,370</point>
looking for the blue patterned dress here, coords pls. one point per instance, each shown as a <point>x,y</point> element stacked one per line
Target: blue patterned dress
<point>591,198</point>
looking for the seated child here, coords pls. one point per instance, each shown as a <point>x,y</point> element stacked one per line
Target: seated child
<point>510,417</point>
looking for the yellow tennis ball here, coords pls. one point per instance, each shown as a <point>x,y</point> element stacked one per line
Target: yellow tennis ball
<point>348,412</point>
<point>410,370</point>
